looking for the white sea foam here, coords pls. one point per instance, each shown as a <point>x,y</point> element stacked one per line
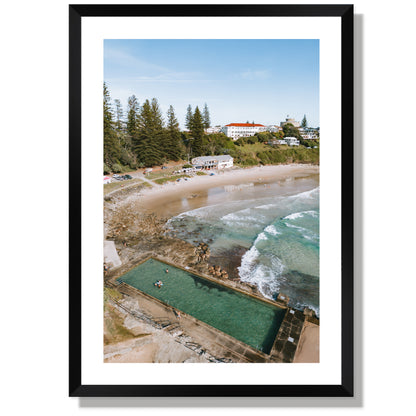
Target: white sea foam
<point>309,235</point>
<point>302,306</point>
<point>230,217</point>
<point>248,263</point>
<point>300,215</point>
<point>253,272</point>
<point>260,237</point>
<point>241,217</point>
<point>307,194</point>
<point>233,218</point>
<point>198,212</point>
<point>265,278</point>
<point>271,229</point>
<point>267,206</point>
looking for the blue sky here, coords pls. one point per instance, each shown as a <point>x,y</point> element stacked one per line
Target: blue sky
<point>256,80</point>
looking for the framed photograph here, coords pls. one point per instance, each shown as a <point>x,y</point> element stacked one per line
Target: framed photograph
<point>211,200</point>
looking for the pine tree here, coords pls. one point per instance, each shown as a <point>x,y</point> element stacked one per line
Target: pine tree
<point>304,122</point>
<point>197,130</point>
<point>173,136</point>
<point>158,130</point>
<point>111,144</point>
<point>189,115</point>
<point>132,116</point>
<point>119,115</point>
<point>205,117</point>
<point>149,136</point>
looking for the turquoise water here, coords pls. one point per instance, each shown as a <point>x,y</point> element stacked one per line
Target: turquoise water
<point>247,319</point>
<point>274,229</point>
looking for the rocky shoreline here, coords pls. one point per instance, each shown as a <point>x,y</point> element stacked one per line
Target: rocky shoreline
<point>137,235</point>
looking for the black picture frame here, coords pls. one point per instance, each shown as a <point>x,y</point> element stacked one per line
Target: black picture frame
<point>76,388</point>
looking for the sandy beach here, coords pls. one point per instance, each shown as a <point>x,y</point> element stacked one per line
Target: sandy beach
<point>175,197</point>
<point>308,349</point>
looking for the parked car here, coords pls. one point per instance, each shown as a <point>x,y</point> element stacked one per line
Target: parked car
<point>128,177</point>
<point>164,167</point>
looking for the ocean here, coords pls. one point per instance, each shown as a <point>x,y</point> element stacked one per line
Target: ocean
<point>265,234</point>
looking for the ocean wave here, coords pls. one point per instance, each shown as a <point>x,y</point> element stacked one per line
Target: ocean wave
<point>260,237</point>
<point>265,278</point>
<point>271,229</point>
<point>301,214</point>
<point>247,263</point>
<point>267,206</point>
<point>302,305</point>
<point>233,217</point>
<point>252,271</point>
<point>307,194</point>
<point>197,212</point>
<point>242,216</point>
<point>309,235</point>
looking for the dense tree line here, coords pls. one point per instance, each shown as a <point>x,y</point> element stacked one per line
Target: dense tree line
<point>146,139</point>
<point>143,139</point>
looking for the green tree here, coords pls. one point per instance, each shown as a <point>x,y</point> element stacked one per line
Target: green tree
<point>173,136</point>
<point>197,131</point>
<point>304,122</point>
<point>119,115</point>
<point>111,143</point>
<point>188,119</point>
<point>205,117</point>
<point>289,130</point>
<point>132,116</point>
<point>147,142</point>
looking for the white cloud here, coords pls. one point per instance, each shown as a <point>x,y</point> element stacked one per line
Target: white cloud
<point>122,58</point>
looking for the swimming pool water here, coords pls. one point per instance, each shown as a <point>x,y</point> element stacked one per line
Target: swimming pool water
<point>243,317</point>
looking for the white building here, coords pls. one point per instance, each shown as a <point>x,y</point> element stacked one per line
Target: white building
<point>291,121</point>
<point>215,129</point>
<point>213,162</point>
<point>308,133</point>
<point>274,129</point>
<point>276,142</point>
<point>237,130</point>
<point>292,141</point>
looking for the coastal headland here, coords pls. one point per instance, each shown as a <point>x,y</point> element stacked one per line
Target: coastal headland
<point>135,219</point>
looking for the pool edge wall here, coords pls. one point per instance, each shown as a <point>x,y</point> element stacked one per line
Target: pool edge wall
<point>274,304</point>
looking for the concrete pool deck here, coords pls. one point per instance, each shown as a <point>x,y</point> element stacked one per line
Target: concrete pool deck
<point>219,344</point>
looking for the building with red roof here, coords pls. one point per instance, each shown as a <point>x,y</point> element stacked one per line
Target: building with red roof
<point>237,130</point>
